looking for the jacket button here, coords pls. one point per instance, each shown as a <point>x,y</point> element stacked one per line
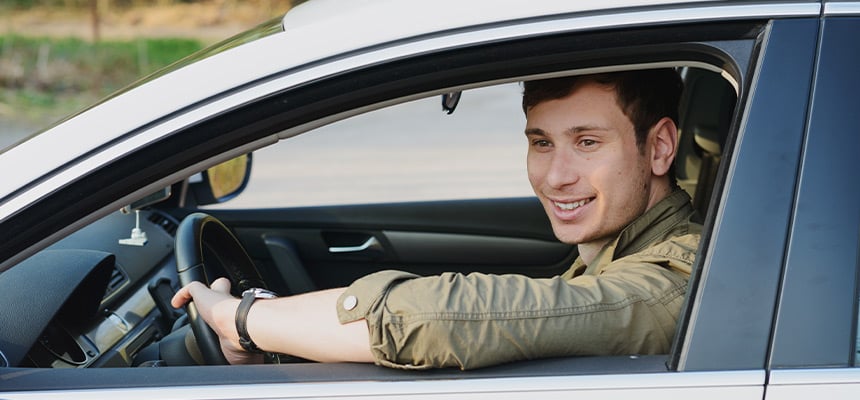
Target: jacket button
<point>350,302</point>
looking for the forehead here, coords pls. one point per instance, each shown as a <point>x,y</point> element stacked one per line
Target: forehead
<point>587,103</point>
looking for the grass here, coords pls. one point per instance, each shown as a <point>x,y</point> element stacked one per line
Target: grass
<point>48,78</point>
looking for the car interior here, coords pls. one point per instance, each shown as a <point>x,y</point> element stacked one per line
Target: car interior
<point>100,297</point>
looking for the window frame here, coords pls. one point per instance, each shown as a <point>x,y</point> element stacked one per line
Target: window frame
<point>734,304</point>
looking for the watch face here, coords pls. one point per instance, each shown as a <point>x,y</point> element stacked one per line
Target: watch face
<point>261,293</point>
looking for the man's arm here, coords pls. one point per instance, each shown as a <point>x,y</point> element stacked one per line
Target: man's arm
<point>304,326</point>
<point>466,321</point>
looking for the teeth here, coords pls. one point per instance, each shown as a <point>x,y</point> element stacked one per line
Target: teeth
<point>571,206</point>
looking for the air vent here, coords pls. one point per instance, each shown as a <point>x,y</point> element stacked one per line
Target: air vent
<point>165,223</point>
<point>117,279</point>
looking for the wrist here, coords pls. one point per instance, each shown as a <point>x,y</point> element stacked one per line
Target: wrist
<point>249,297</point>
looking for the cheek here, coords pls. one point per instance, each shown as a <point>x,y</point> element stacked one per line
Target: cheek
<point>533,180</point>
<point>534,169</point>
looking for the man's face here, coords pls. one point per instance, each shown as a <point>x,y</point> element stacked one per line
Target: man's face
<point>585,167</point>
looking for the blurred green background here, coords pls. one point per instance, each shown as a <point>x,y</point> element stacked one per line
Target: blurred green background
<point>59,56</point>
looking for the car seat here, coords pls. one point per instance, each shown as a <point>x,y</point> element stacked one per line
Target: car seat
<point>706,109</point>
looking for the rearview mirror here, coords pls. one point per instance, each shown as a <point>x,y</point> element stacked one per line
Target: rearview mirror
<point>146,201</point>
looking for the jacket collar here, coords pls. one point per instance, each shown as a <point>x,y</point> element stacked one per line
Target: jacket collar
<point>650,227</point>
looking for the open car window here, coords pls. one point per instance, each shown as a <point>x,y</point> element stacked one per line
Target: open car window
<point>414,151</point>
<point>418,151</point>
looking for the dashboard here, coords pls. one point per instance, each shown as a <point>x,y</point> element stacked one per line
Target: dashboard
<point>90,300</point>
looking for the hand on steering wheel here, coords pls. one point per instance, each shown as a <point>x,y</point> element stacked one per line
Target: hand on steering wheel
<point>217,307</point>
<point>196,232</point>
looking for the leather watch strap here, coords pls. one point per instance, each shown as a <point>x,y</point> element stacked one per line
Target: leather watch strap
<point>248,298</point>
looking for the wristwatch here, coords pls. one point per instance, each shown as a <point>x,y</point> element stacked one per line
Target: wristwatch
<point>248,298</point>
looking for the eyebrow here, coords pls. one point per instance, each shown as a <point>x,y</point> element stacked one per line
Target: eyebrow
<point>535,131</point>
<point>577,129</point>
<point>568,131</point>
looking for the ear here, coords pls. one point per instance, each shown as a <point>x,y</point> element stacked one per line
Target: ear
<point>664,146</point>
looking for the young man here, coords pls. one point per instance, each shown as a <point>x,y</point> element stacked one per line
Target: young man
<point>600,156</point>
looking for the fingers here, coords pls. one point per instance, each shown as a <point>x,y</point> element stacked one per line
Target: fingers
<point>189,291</point>
<point>183,296</point>
<point>218,309</point>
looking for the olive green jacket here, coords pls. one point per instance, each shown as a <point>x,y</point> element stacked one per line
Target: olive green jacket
<point>626,302</point>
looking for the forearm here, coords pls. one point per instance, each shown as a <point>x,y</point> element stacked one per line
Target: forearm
<point>307,326</point>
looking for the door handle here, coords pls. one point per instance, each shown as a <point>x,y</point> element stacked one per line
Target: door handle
<point>370,244</point>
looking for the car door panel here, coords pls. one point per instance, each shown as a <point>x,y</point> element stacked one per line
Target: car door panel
<point>323,247</point>
<point>825,383</point>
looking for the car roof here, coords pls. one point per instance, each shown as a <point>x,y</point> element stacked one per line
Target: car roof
<point>383,20</point>
<point>314,31</point>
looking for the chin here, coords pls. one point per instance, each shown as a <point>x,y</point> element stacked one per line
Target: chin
<point>569,237</point>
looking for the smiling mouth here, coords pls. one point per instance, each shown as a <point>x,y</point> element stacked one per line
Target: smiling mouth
<point>571,206</point>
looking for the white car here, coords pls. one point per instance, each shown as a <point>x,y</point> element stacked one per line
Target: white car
<point>355,136</point>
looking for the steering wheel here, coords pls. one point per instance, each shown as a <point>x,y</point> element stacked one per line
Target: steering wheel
<point>195,233</point>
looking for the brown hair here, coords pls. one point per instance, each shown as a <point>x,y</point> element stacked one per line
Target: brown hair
<point>645,96</point>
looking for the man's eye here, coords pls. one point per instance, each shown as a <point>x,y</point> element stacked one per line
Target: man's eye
<point>587,142</point>
<point>541,143</point>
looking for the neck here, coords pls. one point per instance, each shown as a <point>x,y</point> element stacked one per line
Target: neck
<point>660,190</point>
<point>588,251</point>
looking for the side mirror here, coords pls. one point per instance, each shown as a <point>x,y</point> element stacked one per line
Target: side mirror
<point>221,182</point>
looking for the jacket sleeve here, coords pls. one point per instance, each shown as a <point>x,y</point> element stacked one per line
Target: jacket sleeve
<point>476,320</point>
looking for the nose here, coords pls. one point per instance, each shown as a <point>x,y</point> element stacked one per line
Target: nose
<point>563,169</point>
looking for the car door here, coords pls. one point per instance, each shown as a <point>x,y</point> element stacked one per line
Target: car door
<point>723,339</point>
<point>815,336</point>
<point>727,326</point>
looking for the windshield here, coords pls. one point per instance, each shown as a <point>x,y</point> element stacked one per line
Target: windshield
<point>267,28</point>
